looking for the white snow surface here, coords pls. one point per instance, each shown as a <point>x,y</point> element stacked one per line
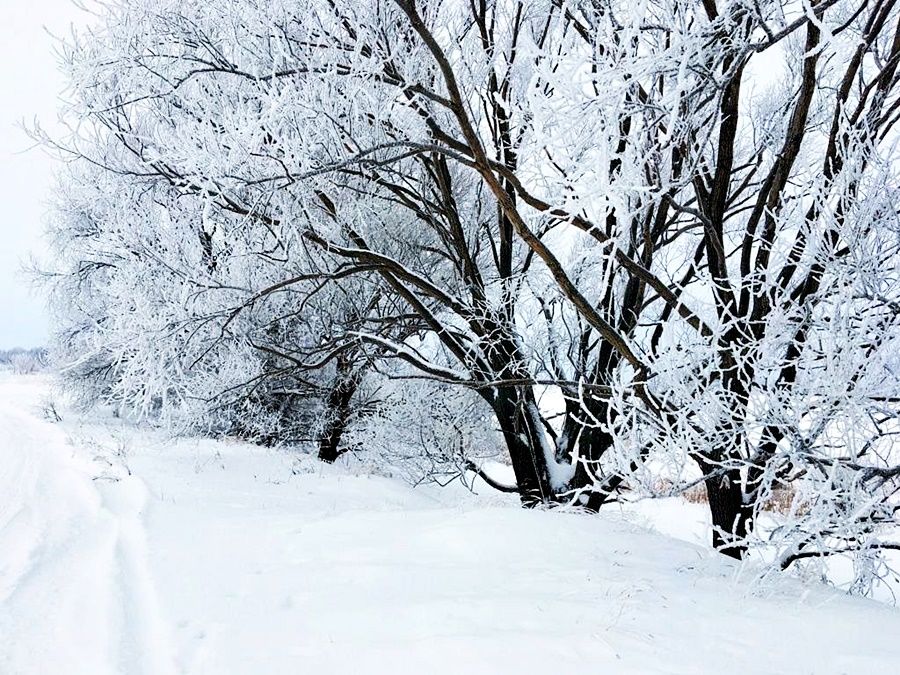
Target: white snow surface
<point>123,551</point>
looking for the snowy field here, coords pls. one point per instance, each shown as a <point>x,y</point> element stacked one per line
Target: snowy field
<point>124,552</point>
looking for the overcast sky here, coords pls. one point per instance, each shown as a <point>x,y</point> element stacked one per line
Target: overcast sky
<point>29,87</point>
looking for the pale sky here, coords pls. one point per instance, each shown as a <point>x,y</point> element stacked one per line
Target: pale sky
<point>29,88</point>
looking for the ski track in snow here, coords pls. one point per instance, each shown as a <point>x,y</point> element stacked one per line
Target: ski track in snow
<point>76,594</point>
<point>216,558</point>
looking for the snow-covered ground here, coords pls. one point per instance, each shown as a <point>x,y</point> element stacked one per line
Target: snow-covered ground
<point>124,552</point>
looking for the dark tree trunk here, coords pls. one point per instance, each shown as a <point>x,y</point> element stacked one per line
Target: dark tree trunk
<point>582,429</point>
<point>338,411</point>
<point>591,442</point>
<point>592,445</point>
<point>732,519</point>
<point>330,442</point>
<point>513,408</point>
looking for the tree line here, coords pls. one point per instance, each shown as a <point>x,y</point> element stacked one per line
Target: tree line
<point>608,241</point>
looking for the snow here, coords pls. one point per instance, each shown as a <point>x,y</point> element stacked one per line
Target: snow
<point>124,551</point>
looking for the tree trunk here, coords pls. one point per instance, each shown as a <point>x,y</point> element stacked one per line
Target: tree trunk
<point>732,519</point>
<point>338,416</point>
<point>592,443</point>
<point>524,442</point>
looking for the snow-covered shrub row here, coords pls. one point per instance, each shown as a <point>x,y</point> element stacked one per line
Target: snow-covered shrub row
<point>651,240</point>
<point>24,361</point>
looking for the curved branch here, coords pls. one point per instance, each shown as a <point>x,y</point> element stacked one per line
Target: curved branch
<point>481,473</point>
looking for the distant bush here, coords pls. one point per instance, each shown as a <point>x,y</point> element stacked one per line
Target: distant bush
<point>24,361</point>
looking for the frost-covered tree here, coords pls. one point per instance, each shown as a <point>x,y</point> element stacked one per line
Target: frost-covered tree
<point>247,126</point>
<point>173,299</point>
<point>790,243</point>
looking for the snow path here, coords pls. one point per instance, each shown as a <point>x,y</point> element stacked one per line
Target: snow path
<point>221,558</point>
<point>76,594</point>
